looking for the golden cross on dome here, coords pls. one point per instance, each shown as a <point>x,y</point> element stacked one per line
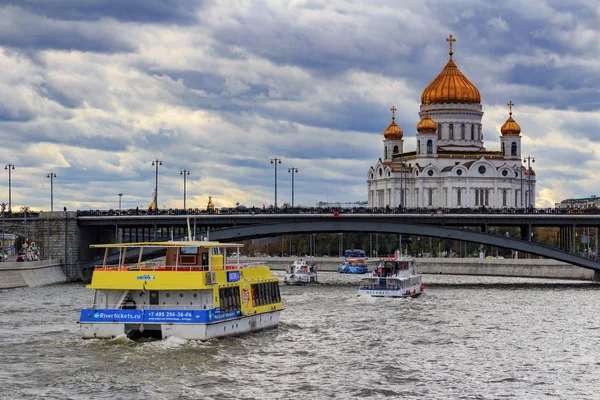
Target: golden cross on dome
<point>510,105</point>
<point>450,40</point>
<point>393,110</point>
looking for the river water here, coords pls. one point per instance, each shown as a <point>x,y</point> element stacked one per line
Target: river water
<point>466,338</point>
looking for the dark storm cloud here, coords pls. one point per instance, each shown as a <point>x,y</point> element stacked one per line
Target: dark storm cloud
<point>22,32</point>
<point>58,96</point>
<point>15,115</point>
<point>140,11</point>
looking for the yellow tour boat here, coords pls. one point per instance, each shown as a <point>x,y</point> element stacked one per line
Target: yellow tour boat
<point>195,293</point>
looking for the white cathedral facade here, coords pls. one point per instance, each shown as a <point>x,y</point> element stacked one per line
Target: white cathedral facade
<point>450,167</point>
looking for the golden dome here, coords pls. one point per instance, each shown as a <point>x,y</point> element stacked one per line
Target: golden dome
<point>510,127</point>
<point>426,125</point>
<point>393,131</point>
<point>451,86</point>
<point>211,205</point>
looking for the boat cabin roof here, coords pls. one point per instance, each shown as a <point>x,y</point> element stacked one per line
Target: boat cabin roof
<point>195,243</point>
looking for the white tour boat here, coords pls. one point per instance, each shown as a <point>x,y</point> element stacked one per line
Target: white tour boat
<point>301,273</point>
<point>394,277</point>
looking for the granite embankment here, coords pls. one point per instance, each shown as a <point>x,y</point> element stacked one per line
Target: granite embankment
<point>520,267</point>
<point>34,273</point>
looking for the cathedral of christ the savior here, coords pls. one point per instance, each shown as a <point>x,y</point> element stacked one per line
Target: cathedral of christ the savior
<point>450,167</point>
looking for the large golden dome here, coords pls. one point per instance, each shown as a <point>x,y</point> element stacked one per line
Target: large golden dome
<point>451,86</point>
<point>510,127</point>
<point>393,131</point>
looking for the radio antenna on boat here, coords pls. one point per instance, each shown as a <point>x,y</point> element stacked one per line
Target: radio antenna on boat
<point>189,229</point>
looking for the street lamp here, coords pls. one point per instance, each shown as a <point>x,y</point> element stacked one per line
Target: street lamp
<point>25,210</point>
<point>185,173</point>
<point>3,205</point>
<point>51,175</point>
<point>120,195</point>
<point>293,170</point>
<point>156,162</point>
<point>529,161</point>
<point>275,161</point>
<point>9,167</point>
<point>519,170</point>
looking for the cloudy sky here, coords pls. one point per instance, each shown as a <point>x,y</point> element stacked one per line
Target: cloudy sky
<point>94,90</point>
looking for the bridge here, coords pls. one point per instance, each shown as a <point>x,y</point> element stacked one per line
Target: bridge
<point>67,235</point>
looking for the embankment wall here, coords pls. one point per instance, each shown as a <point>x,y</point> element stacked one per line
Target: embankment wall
<point>34,273</point>
<point>520,267</point>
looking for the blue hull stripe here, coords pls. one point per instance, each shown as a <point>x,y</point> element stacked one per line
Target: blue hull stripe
<point>155,316</point>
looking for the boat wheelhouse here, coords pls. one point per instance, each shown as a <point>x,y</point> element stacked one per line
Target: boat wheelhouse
<point>394,277</point>
<point>353,266</point>
<point>300,272</point>
<point>195,293</point>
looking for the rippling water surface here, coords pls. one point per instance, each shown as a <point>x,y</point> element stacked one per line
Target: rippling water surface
<point>467,337</point>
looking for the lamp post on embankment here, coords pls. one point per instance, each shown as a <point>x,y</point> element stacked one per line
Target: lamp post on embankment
<point>275,161</point>
<point>51,175</point>
<point>293,171</point>
<point>156,163</point>
<point>185,174</point>
<point>9,167</point>
<point>3,205</point>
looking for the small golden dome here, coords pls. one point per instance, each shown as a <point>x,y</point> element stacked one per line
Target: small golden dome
<point>426,125</point>
<point>211,205</point>
<point>393,131</point>
<point>451,86</point>
<point>510,127</point>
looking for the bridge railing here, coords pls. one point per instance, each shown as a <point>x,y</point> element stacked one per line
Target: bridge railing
<point>339,210</point>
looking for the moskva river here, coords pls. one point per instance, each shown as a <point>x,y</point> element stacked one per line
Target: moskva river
<point>466,338</point>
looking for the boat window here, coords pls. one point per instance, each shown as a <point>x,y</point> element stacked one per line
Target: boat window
<point>265,293</point>
<point>154,297</point>
<point>229,298</point>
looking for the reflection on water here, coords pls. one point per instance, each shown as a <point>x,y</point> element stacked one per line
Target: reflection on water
<point>467,337</point>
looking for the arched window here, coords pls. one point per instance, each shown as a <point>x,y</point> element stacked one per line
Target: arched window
<point>430,198</point>
<point>385,153</point>
<point>429,147</point>
<point>418,147</point>
<point>380,172</point>
<point>462,131</point>
<point>503,148</point>
<point>472,132</point>
<point>476,197</point>
<point>503,197</point>
<point>395,149</point>
<point>479,132</point>
<point>513,149</point>
<point>451,134</point>
<point>458,197</point>
<point>439,131</point>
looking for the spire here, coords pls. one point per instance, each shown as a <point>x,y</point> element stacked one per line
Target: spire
<point>450,40</point>
<point>510,127</point>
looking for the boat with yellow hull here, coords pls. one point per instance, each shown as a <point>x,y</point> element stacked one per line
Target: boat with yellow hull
<point>195,293</point>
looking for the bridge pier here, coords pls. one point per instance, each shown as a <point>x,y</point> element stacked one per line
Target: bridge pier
<point>525,232</point>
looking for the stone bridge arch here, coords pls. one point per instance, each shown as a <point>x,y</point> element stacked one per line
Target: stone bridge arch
<point>269,230</point>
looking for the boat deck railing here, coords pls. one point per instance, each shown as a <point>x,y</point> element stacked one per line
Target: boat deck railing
<point>158,266</point>
<point>145,307</point>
